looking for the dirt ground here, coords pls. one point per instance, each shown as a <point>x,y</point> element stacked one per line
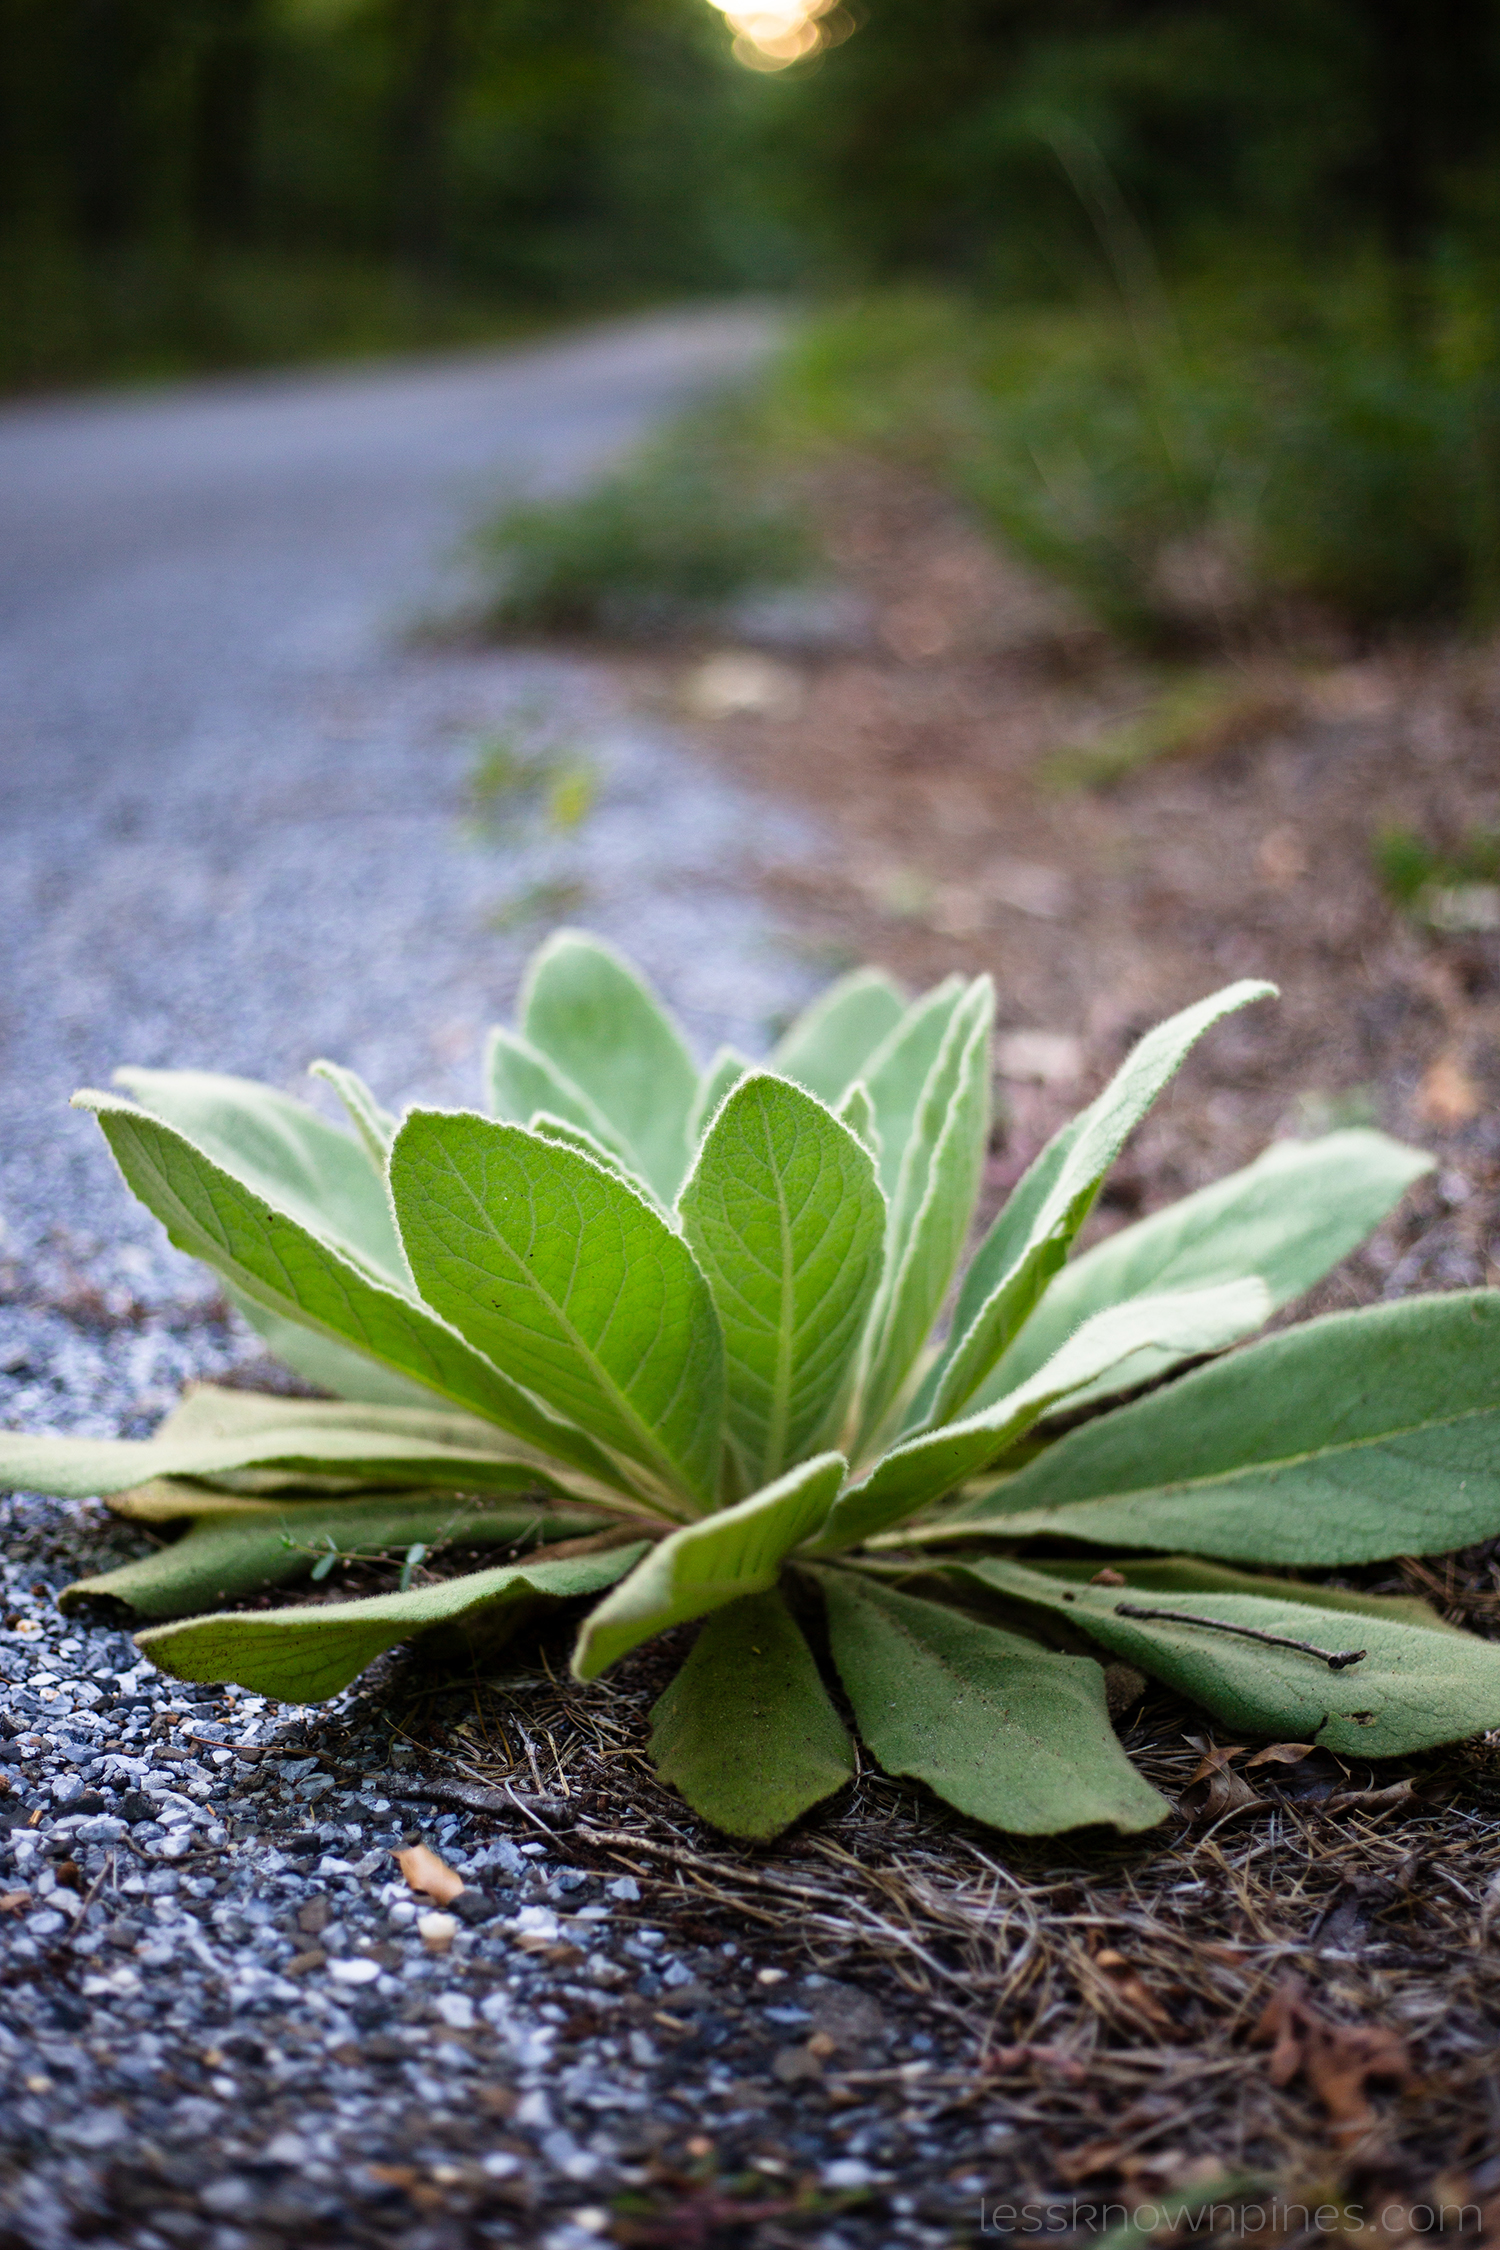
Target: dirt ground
<point>1144,2015</point>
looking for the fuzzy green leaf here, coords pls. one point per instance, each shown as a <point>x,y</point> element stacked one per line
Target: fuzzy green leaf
<point>921,1470</point>
<point>522,1081</point>
<point>560,1270</point>
<point>897,1072</point>
<point>374,1124</point>
<point>282,1150</point>
<point>599,1022</point>
<point>700,1568</point>
<point>270,1256</point>
<point>1008,1732</point>
<point>929,1218</point>
<point>224,1560</point>
<point>1414,1686</point>
<point>985,1327</point>
<point>785,1217</point>
<point>831,1041</point>
<point>77,1468</point>
<point>1176,1574</point>
<point>334,1367</point>
<point>746,1731</point>
<point>577,1136</point>
<point>1289,1216</point>
<point>302,1655</point>
<point>1349,1439</point>
<point>857,1111</point>
<point>727,1069</point>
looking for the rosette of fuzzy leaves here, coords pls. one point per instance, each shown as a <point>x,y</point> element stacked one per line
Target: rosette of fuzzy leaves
<point>672,1341</point>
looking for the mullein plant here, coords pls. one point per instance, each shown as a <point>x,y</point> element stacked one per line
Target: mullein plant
<point>674,1342</point>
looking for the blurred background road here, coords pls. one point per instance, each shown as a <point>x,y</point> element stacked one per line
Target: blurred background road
<point>232,791</point>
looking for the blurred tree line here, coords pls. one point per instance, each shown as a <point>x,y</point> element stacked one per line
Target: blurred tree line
<point>204,181</point>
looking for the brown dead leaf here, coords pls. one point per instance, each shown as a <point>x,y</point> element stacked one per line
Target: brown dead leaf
<point>1448,1096</point>
<point>1132,1994</point>
<point>14,1902</point>
<point>1339,2062</point>
<point>429,1875</point>
<point>1372,1800</point>
<point>1281,1754</point>
<point>1213,1791</point>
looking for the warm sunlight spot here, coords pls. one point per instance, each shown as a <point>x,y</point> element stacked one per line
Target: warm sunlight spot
<point>769,34</point>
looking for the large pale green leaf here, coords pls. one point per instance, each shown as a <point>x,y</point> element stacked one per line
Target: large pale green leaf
<point>939,1179</point>
<point>921,1470</point>
<point>1412,1688</point>
<point>1177,1574</point>
<point>225,1559</point>
<point>857,1111</point>
<point>334,1367</point>
<point>598,1021</point>
<point>896,1073</point>
<point>561,1271</point>
<point>268,1255</point>
<point>302,1655</point>
<point>784,1214</point>
<point>747,1731</point>
<point>1010,1733</point>
<point>983,1330</point>
<point>1289,1217</point>
<point>576,1136</point>
<point>374,1124</point>
<point>703,1566</point>
<point>831,1041</point>
<point>726,1069</point>
<point>1003,1250</point>
<point>78,1468</point>
<point>1348,1439</point>
<point>521,1081</point>
<point>281,1149</point>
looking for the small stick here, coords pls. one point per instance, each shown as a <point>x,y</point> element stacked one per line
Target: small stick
<point>1336,1660</point>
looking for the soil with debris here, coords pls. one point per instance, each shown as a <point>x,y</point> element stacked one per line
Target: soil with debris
<point>231,2020</point>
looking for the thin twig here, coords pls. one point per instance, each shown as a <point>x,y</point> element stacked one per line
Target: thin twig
<point>1336,1660</point>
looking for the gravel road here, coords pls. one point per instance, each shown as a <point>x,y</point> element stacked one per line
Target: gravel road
<point>237,829</point>
<point>234,782</point>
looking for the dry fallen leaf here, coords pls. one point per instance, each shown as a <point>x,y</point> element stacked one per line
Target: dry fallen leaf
<point>1338,2061</point>
<point>1213,1791</point>
<point>1133,1997</point>
<point>14,1902</point>
<point>1281,1754</point>
<point>429,1875</point>
<point>1448,1096</point>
